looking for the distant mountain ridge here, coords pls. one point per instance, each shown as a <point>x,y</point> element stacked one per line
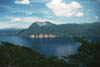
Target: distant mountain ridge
<point>88,29</point>
<point>9,31</point>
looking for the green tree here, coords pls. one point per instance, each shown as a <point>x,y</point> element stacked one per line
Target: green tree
<point>88,54</point>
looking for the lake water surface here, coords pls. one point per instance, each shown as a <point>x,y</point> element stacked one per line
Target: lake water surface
<point>48,47</point>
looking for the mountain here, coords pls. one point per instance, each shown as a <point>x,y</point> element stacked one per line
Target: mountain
<point>9,31</point>
<point>37,28</point>
<point>43,23</point>
<point>93,28</point>
<point>89,29</point>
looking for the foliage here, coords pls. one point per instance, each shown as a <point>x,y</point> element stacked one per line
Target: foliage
<point>88,54</point>
<point>19,56</point>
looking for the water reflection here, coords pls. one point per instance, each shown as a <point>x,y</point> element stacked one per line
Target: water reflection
<point>46,46</point>
<point>66,50</point>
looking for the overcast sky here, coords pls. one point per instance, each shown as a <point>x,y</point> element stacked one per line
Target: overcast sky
<point>22,13</point>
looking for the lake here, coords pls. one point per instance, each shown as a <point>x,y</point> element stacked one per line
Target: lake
<point>46,46</point>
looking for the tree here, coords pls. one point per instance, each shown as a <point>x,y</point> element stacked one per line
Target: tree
<point>88,54</point>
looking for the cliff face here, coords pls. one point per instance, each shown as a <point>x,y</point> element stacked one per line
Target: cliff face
<point>47,29</point>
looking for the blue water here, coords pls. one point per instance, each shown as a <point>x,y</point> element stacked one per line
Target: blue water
<point>51,46</point>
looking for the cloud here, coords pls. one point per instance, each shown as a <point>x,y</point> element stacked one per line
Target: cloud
<point>16,20</point>
<point>22,2</point>
<point>28,12</point>
<point>21,22</point>
<point>3,25</point>
<point>14,25</point>
<point>28,19</point>
<point>79,14</point>
<point>40,1</point>
<point>96,17</point>
<point>61,8</point>
<point>25,19</point>
<point>5,6</point>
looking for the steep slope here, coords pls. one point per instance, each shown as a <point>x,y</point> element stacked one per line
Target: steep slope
<point>37,28</point>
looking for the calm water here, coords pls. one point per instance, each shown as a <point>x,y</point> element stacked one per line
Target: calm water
<point>51,46</point>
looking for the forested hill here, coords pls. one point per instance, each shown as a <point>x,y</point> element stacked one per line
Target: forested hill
<point>88,29</point>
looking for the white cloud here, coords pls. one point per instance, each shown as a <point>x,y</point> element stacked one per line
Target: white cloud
<point>22,2</point>
<point>79,14</point>
<point>16,20</point>
<point>27,19</point>
<point>96,17</point>
<point>61,8</point>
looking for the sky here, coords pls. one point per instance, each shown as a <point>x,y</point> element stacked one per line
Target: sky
<point>22,13</point>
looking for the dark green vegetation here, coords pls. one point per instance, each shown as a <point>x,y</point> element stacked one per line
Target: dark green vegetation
<point>18,56</point>
<point>88,29</point>
<point>88,54</point>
